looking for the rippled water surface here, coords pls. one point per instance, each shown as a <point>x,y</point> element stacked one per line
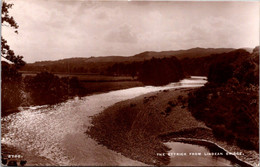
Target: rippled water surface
<point>55,134</point>
<point>192,157</point>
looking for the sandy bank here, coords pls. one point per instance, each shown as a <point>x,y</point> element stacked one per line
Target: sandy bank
<point>132,127</point>
<point>135,127</point>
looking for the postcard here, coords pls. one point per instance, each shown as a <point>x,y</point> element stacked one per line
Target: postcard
<point>129,83</point>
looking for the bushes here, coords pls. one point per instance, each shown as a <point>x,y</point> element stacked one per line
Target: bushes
<point>168,110</point>
<point>229,102</point>
<point>220,73</point>
<point>172,104</point>
<point>46,88</point>
<point>245,144</point>
<point>230,115</point>
<point>221,133</point>
<point>150,72</point>
<point>11,94</point>
<point>161,71</point>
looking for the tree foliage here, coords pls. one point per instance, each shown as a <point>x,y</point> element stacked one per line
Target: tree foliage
<point>11,86</point>
<point>220,73</point>
<point>6,51</point>
<point>151,72</point>
<point>229,102</point>
<point>46,88</point>
<point>161,71</point>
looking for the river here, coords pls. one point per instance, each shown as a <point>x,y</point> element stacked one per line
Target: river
<point>54,135</point>
<point>194,155</point>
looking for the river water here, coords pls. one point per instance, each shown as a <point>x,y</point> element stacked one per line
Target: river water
<point>54,135</point>
<point>183,154</point>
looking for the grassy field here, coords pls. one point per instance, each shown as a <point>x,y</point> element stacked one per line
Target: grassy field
<point>96,83</point>
<point>87,77</point>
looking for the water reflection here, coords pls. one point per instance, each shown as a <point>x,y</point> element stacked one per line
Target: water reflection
<point>56,133</point>
<point>194,155</point>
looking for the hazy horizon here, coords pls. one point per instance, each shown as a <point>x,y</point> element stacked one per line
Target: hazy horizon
<point>53,30</point>
<point>135,54</point>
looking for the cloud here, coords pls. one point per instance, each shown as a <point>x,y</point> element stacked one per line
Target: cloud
<point>101,15</point>
<point>122,34</point>
<point>56,29</point>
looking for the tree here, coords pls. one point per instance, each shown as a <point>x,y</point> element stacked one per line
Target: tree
<point>220,72</point>
<point>46,88</point>
<point>11,79</point>
<point>9,21</point>
<point>161,71</point>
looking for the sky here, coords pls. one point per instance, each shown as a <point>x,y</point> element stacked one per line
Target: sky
<point>58,29</point>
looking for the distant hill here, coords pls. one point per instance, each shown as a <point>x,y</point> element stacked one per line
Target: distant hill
<point>250,50</point>
<point>99,64</point>
<point>181,54</point>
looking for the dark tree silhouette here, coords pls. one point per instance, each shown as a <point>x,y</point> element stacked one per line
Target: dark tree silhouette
<point>228,103</point>
<point>6,51</point>
<point>220,73</point>
<point>11,85</point>
<point>11,88</point>
<point>47,88</point>
<point>161,71</point>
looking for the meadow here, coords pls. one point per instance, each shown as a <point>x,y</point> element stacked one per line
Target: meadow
<point>96,83</point>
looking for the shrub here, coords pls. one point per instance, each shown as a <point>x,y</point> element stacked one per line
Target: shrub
<point>11,87</point>
<point>161,71</point>
<point>245,144</point>
<point>172,104</point>
<point>168,110</point>
<point>46,88</point>
<point>219,131</point>
<point>220,73</point>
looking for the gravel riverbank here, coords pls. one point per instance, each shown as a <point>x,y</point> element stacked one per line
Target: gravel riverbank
<point>134,127</point>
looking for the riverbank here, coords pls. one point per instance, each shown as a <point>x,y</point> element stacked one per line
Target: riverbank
<point>90,88</point>
<point>8,150</point>
<point>132,127</point>
<point>138,127</point>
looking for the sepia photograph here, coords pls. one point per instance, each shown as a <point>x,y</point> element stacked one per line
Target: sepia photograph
<point>130,83</point>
